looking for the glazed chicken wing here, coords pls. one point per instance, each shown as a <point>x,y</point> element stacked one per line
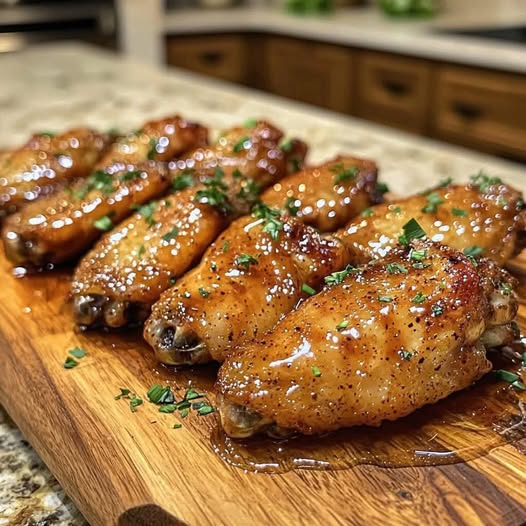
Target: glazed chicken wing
<point>125,273</point>
<point>46,162</point>
<point>329,195</point>
<point>485,217</point>
<point>245,282</point>
<point>60,226</point>
<point>390,338</point>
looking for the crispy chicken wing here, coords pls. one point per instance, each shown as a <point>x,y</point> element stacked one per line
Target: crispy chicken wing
<point>59,227</point>
<point>46,162</point>
<point>125,273</point>
<point>329,195</point>
<point>486,214</point>
<point>246,281</point>
<point>387,340</point>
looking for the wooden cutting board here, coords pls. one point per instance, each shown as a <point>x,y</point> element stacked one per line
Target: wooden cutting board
<point>129,468</point>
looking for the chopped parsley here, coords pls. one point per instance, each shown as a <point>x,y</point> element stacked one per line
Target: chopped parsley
<point>249,190</point>
<point>272,224</point>
<point>290,206</point>
<point>241,145</point>
<point>203,292</point>
<point>135,402</point>
<point>385,299</point>
<point>47,133</point>
<point>286,146</point>
<point>103,223</point>
<point>225,246</point>
<point>147,212</point>
<point>168,408</point>
<point>177,425</point>
<point>343,174</point>
<point>173,280</point>
<point>214,192</point>
<point>141,251</point>
<point>396,210</point>
<point>368,212</point>
<point>153,149</point>
<point>183,180</point>
<point>396,268</point>
<point>419,297</point>
<point>512,378</point>
<point>417,255</point>
<point>70,363</point>
<point>250,123</point>
<point>124,393</point>
<point>316,372</point>
<point>459,212</point>
<point>158,394</point>
<point>382,188</point>
<point>337,277</point>
<point>130,176</point>
<point>98,180</point>
<point>245,260</point>
<point>437,310</point>
<point>483,181</point>
<point>205,410</point>
<point>473,251</point>
<point>506,289</point>
<point>77,352</point>
<point>342,325</point>
<point>192,394</point>
<point>433,200</point>
<point>411,230</point>
<point>441,184</point>
<point>502,202</point>
<point>174,232</point>
<point>405,355</point>
<point>307,289</point>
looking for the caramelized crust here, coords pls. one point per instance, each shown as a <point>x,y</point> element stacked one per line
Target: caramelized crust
<point>388,340</point>
<point>61,226</point>
<point>125,273</point>
<point>46,162</point>
<point>492,219</point>
<point>329,195</point>
<point>244,284</point>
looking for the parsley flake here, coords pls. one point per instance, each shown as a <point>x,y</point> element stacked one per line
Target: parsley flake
<point>437,310</point>
<point>171,235</point>
<point>307,289</point>
<point>250,123</point>
<point>419,297</point>
<point>245,260</point>
<point>343,174</point>
<point>177,425</point>
<point>203,292</point>
<point>405,355</point>
<point>433,200</point>
<point>459,212</point>
<point>385,299</point>
<point>77,352</point>
<point>473,251</point>
<point>272,224</point>
<point>382,188</point>
<point>183,180</point>
<point>70,363</point>
<point>337,277</point>
<point>141,251</point>
<point>153,149</point>
<point>146,211</point>
<point>135,402</point>
<point>103,223</point>
<point>291,207</point>
<point>512,378</point>
<point>242,144</point>
<point>411,230</point>
<point>483,181</point>
<point>205,410</point>
<point>368,212</point>
<point>342,325</point>
<point>124,393</point>
<point>396,268</point>
<point>225,246</point>
<point>286,146</point>
<point>316,372</point>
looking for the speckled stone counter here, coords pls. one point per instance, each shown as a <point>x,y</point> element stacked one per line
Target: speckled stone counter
<point>54,87</point>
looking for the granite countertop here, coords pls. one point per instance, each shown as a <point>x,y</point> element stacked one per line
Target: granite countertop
<point>369,28</point>
<point>56,86</point>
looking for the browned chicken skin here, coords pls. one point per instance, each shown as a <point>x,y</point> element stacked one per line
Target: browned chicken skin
<point>245,282</point>
<point>486,214</point>
<point>327,196</point>
<point>60,226</point>
<point>125,273</point>
<point>387,340</point>
<point>46,162</point>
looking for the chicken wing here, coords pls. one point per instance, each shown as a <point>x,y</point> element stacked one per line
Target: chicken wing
<point>60,226</point>
<point>125,273</point>
<point>253,274</point>
<point>46,162</point>
<point>390,338</point>
<point>329,195</point>
<point>485,217</point>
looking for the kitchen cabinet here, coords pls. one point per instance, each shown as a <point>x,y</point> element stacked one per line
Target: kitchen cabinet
<point>219,56</point>
<point>481,109</point>
<point>393,90</point>
<point>312,72</point>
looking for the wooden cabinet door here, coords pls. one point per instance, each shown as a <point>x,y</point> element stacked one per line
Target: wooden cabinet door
<point>485,110</point>
<point>310,72</point>
<point>219,56</point>
<point>393,90</point>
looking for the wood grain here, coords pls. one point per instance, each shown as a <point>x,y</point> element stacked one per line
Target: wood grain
<point>133,468</point>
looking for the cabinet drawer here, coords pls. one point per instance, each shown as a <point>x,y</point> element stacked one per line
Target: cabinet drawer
<point>393,90</point>
<point>481,109</point>
<point>310,72</point>
<point>220,56</point>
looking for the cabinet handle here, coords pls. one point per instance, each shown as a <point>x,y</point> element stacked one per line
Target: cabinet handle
<point>399,89</point>
<point>211,57</point>
<point>466,111</point>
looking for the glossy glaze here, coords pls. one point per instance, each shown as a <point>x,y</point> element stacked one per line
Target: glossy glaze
<point>125,273</point>
<point>368,350</point>
<point>60,226</point>
<point>493,220</point>
<point>226,301</point>
<point>45,162</point>
<point>329,195</point>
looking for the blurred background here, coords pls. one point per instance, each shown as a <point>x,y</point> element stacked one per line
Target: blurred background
<point>452,70</point>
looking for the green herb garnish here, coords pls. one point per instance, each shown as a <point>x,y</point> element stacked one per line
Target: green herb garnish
<point>433,200</point>
<point>177,425</point>
<point>368,212</point>
<point>215,192</point>
<point>417,255</point>
<point>171,235</point>
<point>411,230</point>
<point>153,149</point>
<point>290,206</point>
<point>168,408</point>
<point>511,378</point>
<point>382,188</point>
<point>147,212</point>
<point>245,260</point>
<point>272,224</point>
<point>385,299</point>
<point>103,223</point>
<point>473,251</point>
<point>343,174</point>
<point>419,298</point>
<point>437,310</point>
<point>307,289</point>
<point>286,146</point>
<point>70,362</point>
<point>158,394</point>
<point>337,277</point>
<point>183,180</point>
<point>250,123</point>
<point>205,410</point>
<point>342,325</point>
<point>484,181</point>
<point>77,352</point>
<point>459,212</point>
<point>396,268</point>
<point>316,372</point>
<point>124,393</point>
<point>135,402</point>
<point>241,145</point>
<point>140,251</point>
<point>225,246</point>
<point>405,355</point>
<point>192,394</point>
<point>203,292</point>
